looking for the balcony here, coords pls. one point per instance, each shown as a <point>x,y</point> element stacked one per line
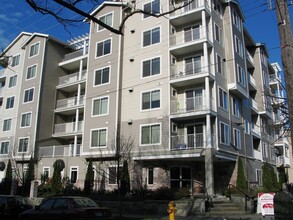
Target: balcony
<point>252,83</point>
<point>72,78</point>
<point>60,151</point>
<point>187,142</point>
<point>189,41</point>
<point>254,106</point>
<point>68,129</point>
<point>249,58</point>
<point>256,131</point>
<point>70,103</point>
<point>190,12</point>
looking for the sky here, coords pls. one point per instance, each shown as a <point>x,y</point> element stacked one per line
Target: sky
<point>17,16</point>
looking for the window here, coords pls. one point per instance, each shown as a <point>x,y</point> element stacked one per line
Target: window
<point>26,120</point>
<point>223,99</point>
<point>73,174</point>
<point>235,107</point>
<point>218,34</point>
<point>31,72</point>
<point>106,19</point>
<point>265,152</point>
<point>12,81</point>
<point>190,4</point>
<point>9,102</point>
<point>180,177</point>
<point>217,6</point>
<point>150,134</point>
<point>99,138</point>
<point>151,37</point>
<point>224,133</point>
<point>34,49</point>
<point>241,77</point>
<point>151,67</point>
<point>102,76</point>
<point>100,106</point>
<point>4,147</point>
<point>151,100</point>
<point>237,138</point>
<point>219,64</point>
<point>193,65</point>
<point>103,48</point>
<point>113,174</point>
<point>150,175</point>
<point>191,33</point>
<point>23,145</point>
<point>46,174</point>
<point>238,46</point>
<point>236,20</point>
<point>7,124</point>
<point>259,177</point>
<point>152,7</point>
<point>15,60</point>
<point>246,126</point>
<point>28,95</point>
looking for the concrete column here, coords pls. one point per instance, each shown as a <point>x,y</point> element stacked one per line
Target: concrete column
<point>209,171</point>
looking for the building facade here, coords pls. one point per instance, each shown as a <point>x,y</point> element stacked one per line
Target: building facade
<point>179,97</point>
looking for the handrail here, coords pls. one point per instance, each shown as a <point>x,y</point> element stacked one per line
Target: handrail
<point>247,196</point>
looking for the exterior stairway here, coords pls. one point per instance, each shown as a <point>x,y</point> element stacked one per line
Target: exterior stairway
<point>222,206</point>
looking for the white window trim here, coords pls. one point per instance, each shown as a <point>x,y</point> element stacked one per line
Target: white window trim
<point>112,166</point>
<point>143,18</point>
<point>150,109</point>
<point>91,133</point>
<point>228,141</point>
<point>39,42</point>
<point>221,40</point>
<point>234,104</point>
<point>112,12</point>
<point>49,171</point>
<point>97,98</point>
<point>104,55</point>
<point>148,177</point>
<point>9,87</point>
<point>239,43</point>
<point>18,61</point>
<point>71,169</point>
<point>8,146</point>
<point>219,94</point>
<point>14,102</point>
<point>236,137</point>
<point>10,124</point>
<point>102,84</point>
<point>222,64</point>
<point>26,79</point>
<point>28,145</point>
<point>140,134</point>
<point>23,101</point>
<point>25,113</point>
<point>150,59</point>
<point>150,30</point>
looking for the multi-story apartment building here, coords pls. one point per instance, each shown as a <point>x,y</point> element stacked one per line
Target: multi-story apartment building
<point>179,97</point>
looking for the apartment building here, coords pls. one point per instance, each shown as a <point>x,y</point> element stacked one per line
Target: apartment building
<point>179,97</point>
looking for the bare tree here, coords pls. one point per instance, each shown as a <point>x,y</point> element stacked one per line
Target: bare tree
<point>83,9</point>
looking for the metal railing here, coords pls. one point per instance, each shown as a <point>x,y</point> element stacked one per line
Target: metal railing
<point>72,78</point>
<point>60,151</point>
<point>186,142</point>
<point>68,128</point>
<point>70,102</point>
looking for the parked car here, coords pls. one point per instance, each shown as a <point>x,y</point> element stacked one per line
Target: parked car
<point>67,207</point>
<point>11,206</point>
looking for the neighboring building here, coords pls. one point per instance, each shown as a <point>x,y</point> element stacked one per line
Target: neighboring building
<point>180,97</point>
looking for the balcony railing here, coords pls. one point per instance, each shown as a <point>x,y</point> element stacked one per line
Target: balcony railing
<point>68,128</point>
<point>252,80</point>
<point>187,105</point>
<point>249,56</point>
<point>254,104</point>
<point>70,102</point>
<point>186,142</point>
<point>256,129</point>
<point>60,151</point>
<point>188,71</point>
<point>189,36</point>
<point>72,78</point>
<point>73,55</point>
<point>189,7</point>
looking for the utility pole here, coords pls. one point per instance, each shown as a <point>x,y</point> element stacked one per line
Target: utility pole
<point>285,33</point>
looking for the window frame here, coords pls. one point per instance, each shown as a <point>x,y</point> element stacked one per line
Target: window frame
<point>224,134</point>
<point>91,138</point>
<point>28,96</point>
<point>223,95</point>
<point>103,49</point>
<point>102,76</point>
<point>15,60</point>
<point>33,53</point>
<point>151,101</point>
<point>150,142</point>
<point>12,81</point>
<point>241,75</point>
<point>151,43</point>
<point>219,34</point>
<point>236,20</point>
<point>220,64</point>
<point>150,175</point>
<point>235,106</point>
<point>152,4</point>
<point>101,28</point>
<point>27,147</point>
<point>35,66</point>
<point>151,64</point>
<point>6,148</point>
<point>10,101</point>
<point>73,169</point>
<point>101,106</point>
<point>237,138</point>
<point>26,120</point>
<point>238,46</point>
<point>5,124</point>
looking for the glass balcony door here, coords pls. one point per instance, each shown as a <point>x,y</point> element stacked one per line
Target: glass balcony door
<point>194,99</point>
<point>195,136</point>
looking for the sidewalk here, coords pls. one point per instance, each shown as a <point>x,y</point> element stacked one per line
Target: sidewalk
<point>244,217</point>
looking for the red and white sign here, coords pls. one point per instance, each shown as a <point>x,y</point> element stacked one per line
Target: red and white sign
<point>265,203</point>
